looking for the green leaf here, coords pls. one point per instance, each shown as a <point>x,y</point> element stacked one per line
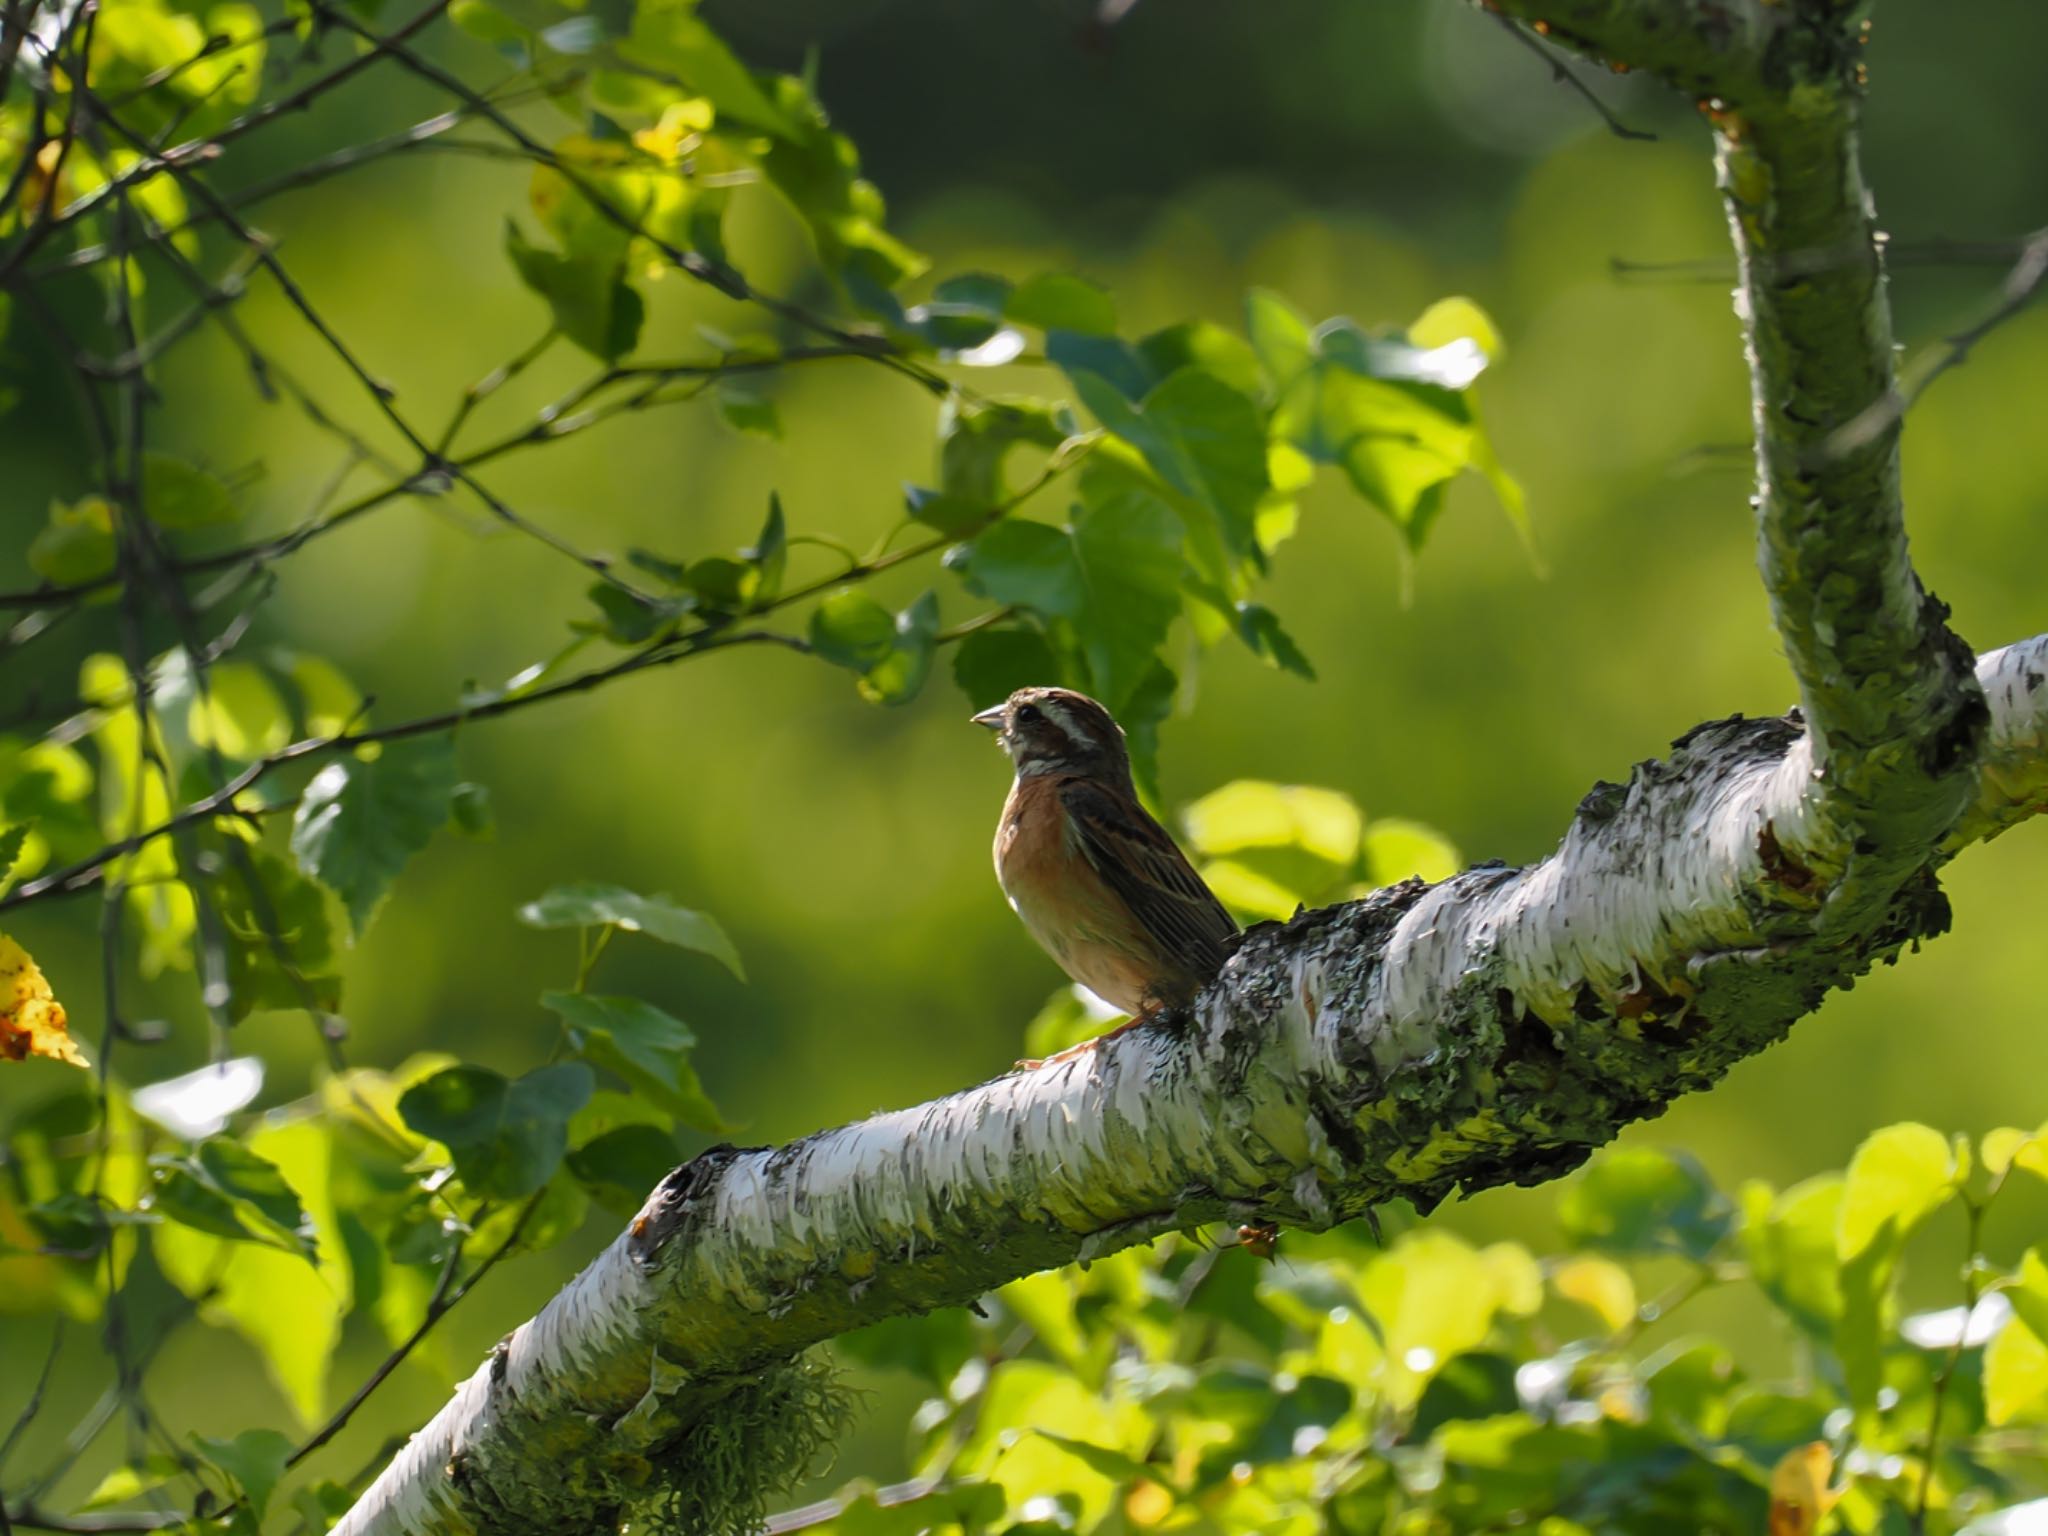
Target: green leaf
<point>630,619</point>
<point>644,1045</point>
<point>1789,1240</point>
<point>748,413</point>
<point>991,664</point>
<point>124,1484</point>
<point>668,35</point>
<point>187,1192</point>
<point>281,949</point>
<point>1279,336</point>
<point>899,676</point>
<point>1108,360</point>
<point>1055,301</point>
<point>589,904</point>
<point>2015,1375</point>
<point>620,1167</point>
<point>933,1346</point>
<point>1644,1200</point>
<point>1115,574</point>
<point>977,437</point>
<point>951,515</point>
<point>1256,814</point>
<point>1199,344</point>
<point>1899,1176</point>
<point>77,544</point>
<point>2029,1292</point>
<point>238,712</point>
<point>1259,628</point>
<point>593,304</point>
<point>850,629</point>
<point>255,1459</point>
<point>1449,319</point>
<point>289,1310</point>
<point>178,495</point>
<point>507,1138</point>
<point>769,554</point>
<point>1201,437</point>
<point>328,702</point>
<point>1452,366</point>
<point>12,840</point>
<point>1394,849</point>
<point>1107,1460</point>
<point>469,808</point>
<point>359,821</point>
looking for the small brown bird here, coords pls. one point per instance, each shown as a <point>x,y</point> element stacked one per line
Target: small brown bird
<point>1099,883</point>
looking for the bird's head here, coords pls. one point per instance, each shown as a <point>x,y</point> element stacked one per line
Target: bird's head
<point>1055,730</point>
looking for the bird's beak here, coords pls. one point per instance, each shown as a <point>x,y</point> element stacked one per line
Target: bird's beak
<point>992,718</point>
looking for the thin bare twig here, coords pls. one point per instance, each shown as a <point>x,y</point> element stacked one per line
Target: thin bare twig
<point>1564,76</point>
<point>2019,289</point>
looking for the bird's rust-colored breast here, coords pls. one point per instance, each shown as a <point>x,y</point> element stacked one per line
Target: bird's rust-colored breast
<point>1066,905</point>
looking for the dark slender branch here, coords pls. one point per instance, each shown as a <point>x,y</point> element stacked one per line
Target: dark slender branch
<point>447,1295</point>
<point>2022,285</point>
<point>34,1405</point>
<point>86,872</point>
<point>154,163</point>
<point>713,274</point>
<point>552,425</point>
<point>1564,76</point>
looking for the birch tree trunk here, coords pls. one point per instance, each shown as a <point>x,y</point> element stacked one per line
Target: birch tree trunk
<point>1491,1029</point>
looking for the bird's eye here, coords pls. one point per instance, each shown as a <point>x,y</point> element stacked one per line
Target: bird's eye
<point>1028,715</point>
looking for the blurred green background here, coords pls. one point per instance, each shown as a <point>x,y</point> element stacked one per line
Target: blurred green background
<point>1361,158</point>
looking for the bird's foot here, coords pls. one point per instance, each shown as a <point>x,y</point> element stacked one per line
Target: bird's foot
<point>1082,1048</point>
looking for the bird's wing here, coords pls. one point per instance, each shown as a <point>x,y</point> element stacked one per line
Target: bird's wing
<point>1139,862</point>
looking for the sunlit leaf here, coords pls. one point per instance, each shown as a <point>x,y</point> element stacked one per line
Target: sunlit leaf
<point>991,664</point>
<point>125,1484</point>
<point>621,1166</point>
<point>1394,849</point>
<point>255,1459</point>
<point>239,712</point>
<point>1899,1176</point>
<point>2015,1375</point>
<point>1644,1200</point>
<point>593,304</point>
<point>361,820</point>
<point>1254,813</point>
<point>591,904</point>
<point>281,947</point>
<point>32,1021</point>
<point>226,1189</point>
<point>1800,1496</point>
<point>1599,1284</point>
<point>181,496</point>
<point>1058,301</point>
<point>288,1309</point>
<point>507,1137</point>
<point>644,1045</point>
<point>77,544</point>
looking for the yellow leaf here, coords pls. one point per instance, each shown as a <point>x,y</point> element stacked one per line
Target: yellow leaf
<point>1600,1284</point>
<point>2008,1147</point>
<point>31,1018</point>
<point>1799,1490</point>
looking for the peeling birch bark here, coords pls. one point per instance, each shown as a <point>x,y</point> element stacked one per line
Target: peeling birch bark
<point>1491,1029</point>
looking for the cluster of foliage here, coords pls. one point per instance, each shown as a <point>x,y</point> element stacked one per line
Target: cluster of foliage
<point>1429,1385</point>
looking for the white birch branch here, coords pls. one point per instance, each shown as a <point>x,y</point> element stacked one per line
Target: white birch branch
<point>1492,1028</point>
